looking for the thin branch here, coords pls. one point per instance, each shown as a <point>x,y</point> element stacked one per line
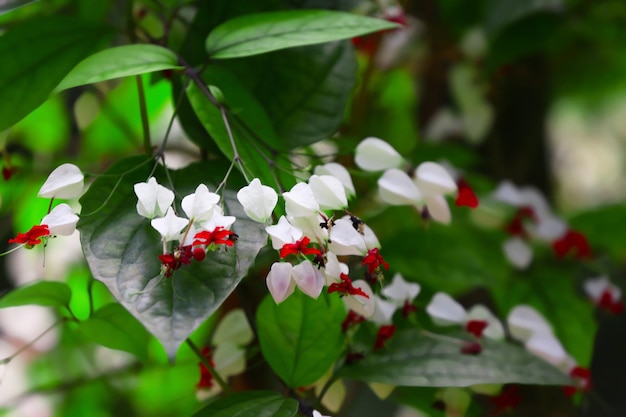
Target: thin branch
<point>143,109</point>
<point>225,387</point>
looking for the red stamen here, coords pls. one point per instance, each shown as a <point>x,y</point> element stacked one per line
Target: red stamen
<point>582,376</point>
<point>206,379</point>
<point>345,287</point>
<point>374,260</point>
<point>352,319</point>
<point>466,196</point>
<point>33,236</point>
<point>508,399</point>
<point>476,327</point>
<point>384,334</point>
<point>471,348</point>
<point>408,308</point>
<point>516,226</point>
<point>574,242</point>
<point>299,247</point>
<point>217,236</point>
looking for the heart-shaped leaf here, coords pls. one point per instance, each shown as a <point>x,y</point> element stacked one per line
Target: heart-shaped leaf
<point>121,61</point>
<point>258,33</point>
<point>412,358</point>
<point>301,337</point>
<point>251,404</point>
<point>122,251</point>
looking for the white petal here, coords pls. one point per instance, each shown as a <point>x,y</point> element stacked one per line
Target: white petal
<point>374,154</point>
<point>233,328</point>
<point>383,311</point>
<point>438,209</point>
<point>170,226</point>
<point>219,220</point>
<point>279,281</point>
<point>199,205</point>
<point>153,199</point>
<point>518,252</point>
<point>365,306</point>
<point>395,187</point>
<point>308,278</point>
<point>283,232</point>
<point>370,238</point>
<point>61,220</point>
<point>230,359</point>
<point>329,192</point>
<point>445,310</point>
<point>66,181</point>
<point>524,321</point>
<point>333,268</point>
<point>433,179</point>
<point>318,414</point>
<point>310,226</point>
<point>400,290</point>
<point>494,329</point>
<point>508,193</point>
<point>548,229</point>
<point>546,346</point>
<point>535,199</point>
<point>340,172</point>
<point>345,240</point>
<point>258,200</point>
<point>300,201</point>
<point>595,287</point>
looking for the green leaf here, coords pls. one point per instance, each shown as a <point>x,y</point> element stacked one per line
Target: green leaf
<point>121,61</point>
<point>315,85</point>
<point>412,358</point>
<point>251,404</point>
<point>301,337</point>
<point>43,293</point>
<point>36,56</point>
<point>501,13</point>
<point>602,228</point>
<point>9,5</point>
<point>259,33</point>
<point>114,327</point>
<point>122,251</point>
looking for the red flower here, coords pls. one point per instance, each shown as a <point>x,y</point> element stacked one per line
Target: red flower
<point>33,236</point>
<point>7,172</point>
<point>345,287</point>
<point>218,236</point>
<point>408,308</point>
<point>476,327</point>
<point>173,261</point>
<point>574,242</point>
<point>384,333</point>
<point>352,319</point>
<point>516,226</point>
<point>374,260</point>
<point>206,379</point>
<point>610,304</point>
<point>507,399</point>
<point>466,196</point>
<point>582,377</point>
<point>301,246</point>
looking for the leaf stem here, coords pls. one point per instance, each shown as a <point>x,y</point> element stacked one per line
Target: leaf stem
<point>145,124</point>
<point>325,389</point>
<point>225,387</point>
<point>29,344</point>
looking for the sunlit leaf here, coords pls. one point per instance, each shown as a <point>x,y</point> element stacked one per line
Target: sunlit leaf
<point>114,327</point>
<point>43,293</point>
<point>301,337</point>
<point>122,251</point>
<point>412,358</point>
<point>251,404</point>
<point>259,33</point>
<point>36,55</point>
<point>117,62</point>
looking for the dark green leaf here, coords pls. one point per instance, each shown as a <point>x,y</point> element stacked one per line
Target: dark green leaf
<point>412,358</point>
<point>602,228</point>
<point>301,337</point>
<point>122,251</point>
<point>501,13</point>
<point>121,61</point>
<point>114,327</point>
<point>43,293</point>
<point>251,404</point>
<point>259,33</point>
<point>36,55</point>
<point>8,5</point>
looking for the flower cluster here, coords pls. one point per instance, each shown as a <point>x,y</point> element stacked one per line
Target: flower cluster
<point>204,230</point>
<point>65,182</point>
<point>534,220</point>
<point>425,190</point>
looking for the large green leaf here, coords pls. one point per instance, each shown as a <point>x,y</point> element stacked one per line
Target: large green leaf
<point>412,358</point>
<point>122,251</point>
<point>501,13</point>
<point>112,326</point>
<point>36,55</point>
<point>43,293</point>
<point>251,404</point>
<point>117,62</point>
<point>259,33</point>
<point>602,228</point>
<point>301,337</point>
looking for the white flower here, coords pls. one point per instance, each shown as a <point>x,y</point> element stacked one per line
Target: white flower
<point>279,282</point>
<point>341,173</point>
<point>518,252</point>
<point>433,179</point>
<point>169,226</point>
<point>364,306</point>
<point>310,226</point>
<point>400,290</point>
<point>199,206</point>
<point>258,200</point>
<point>444,311</point>
<point>596,287</point>
<point>61,220</point>
<point>218,220</point>
<point>308,278</point>
<point>345,239</point>
<point>153,199</point>
<point>300,201</point>
<point>283,232</point>
<point>395,187</point>
<point>329,192</point>
<point>333,268</point>
<point>66,182</point>
<point>383,311</point>
<point>374,154</point>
